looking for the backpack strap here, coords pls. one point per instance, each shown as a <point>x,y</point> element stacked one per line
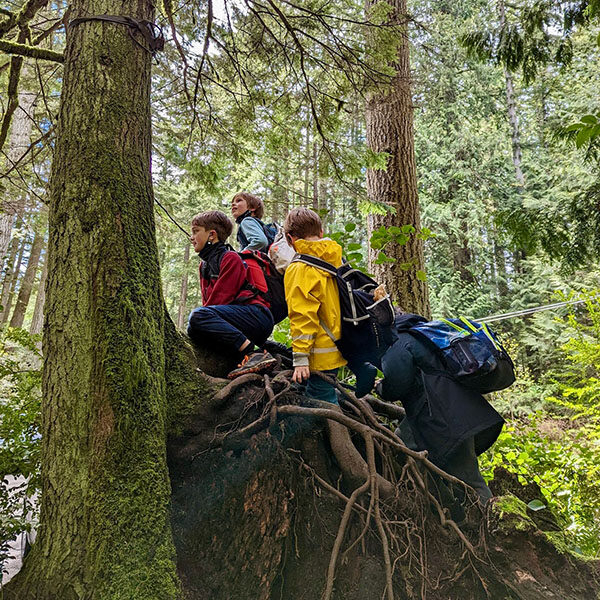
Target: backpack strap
<point>313,261</point>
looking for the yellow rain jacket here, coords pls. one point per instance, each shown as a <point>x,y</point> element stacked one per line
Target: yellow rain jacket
<point>312,296</point>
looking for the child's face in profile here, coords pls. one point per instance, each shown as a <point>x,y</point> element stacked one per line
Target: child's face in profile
<point>238,207</point>
<point>200,236</point>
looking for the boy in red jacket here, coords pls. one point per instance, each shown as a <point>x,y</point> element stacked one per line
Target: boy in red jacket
<point>232,316</point>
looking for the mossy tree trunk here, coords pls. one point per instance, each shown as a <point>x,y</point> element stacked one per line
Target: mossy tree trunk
<point>389,118</point>
<point>104,531</point>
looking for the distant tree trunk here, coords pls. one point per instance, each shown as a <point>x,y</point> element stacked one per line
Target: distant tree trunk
<point>11,278</point>
<point>307,150</point>
<point>315,176</point>
<point>511,106</point>
<point>37,321</point>
<point>104,524</point>
<point>182,315</point>
<point>9,263</point>
<point>463,259</point>
<point>27,281</point>
<point>11,208</point>
<point>501,275</point>
<point>389,118</point>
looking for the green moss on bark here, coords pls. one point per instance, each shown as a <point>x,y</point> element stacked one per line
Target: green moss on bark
<point>105,516</point>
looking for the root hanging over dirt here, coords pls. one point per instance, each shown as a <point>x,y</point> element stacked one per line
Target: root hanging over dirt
<point>278,496</point>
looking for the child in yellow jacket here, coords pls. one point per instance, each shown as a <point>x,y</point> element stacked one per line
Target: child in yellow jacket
<point>313,304</point>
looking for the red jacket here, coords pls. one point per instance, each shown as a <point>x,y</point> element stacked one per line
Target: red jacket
<point>227,287</point>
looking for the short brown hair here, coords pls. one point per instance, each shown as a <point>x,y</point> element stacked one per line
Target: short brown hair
<point>214,219</point>
<point>254,203</point>
<point>303,223</point>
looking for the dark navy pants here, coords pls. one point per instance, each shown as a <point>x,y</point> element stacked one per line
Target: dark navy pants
<point>229,326</point>
<point>321,390</point>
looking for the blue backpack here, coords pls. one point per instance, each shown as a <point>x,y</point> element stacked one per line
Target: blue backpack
<point>470,352</point>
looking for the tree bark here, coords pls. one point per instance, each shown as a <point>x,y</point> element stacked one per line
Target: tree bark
<point>27,281</point>
<point>511,107</point>
<point>11,278</point>
<point>12,208</point>
<point>316,200</point>
<point>389,119</point>
<point>181,316</point>
<point>104,523</point>
<point>37,321</point>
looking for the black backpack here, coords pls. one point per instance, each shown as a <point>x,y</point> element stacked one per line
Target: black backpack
<point>367,330</point>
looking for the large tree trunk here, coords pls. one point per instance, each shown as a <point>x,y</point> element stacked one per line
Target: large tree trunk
<point>389,118</point>
<point>104,525</point>
<point>27,282</point>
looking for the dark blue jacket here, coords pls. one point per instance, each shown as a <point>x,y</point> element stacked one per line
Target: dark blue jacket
<point>441,412</point>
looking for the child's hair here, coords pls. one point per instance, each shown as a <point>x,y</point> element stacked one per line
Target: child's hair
<point>303,223</point>
<point>214,219</point>
<point>254,203</point>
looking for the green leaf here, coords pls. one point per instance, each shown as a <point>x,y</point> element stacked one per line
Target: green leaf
<point>408,229</point>
<point>393,230</point>
<point>583,136</point>
<point>406,266</point>
<point>350,227</point>
<point>589,119</point>
<point>574,127</point>
<point>352,247</point>
<point>536,505</point>
<point>421,276</point>
<point>383,258</point>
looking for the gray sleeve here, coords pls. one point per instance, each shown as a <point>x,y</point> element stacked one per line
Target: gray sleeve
<point>251,228</point>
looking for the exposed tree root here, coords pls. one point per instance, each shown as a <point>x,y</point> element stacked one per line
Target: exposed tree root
<point>389,494</point>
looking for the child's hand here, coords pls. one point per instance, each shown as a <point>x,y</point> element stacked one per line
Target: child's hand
<point>300,374</point>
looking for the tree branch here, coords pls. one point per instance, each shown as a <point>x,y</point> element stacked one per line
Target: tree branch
<point>15,48</point>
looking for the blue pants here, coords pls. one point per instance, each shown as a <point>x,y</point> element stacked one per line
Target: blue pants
<point>319,389</point>
<point>229,326</point>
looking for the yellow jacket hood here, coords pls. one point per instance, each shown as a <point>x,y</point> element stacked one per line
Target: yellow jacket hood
<point>325,249</point>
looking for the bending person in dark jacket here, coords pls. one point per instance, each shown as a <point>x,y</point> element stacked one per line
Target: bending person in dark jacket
<point>453,423</point>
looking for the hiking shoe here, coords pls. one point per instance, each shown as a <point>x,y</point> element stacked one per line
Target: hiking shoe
<point>254,363</point>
